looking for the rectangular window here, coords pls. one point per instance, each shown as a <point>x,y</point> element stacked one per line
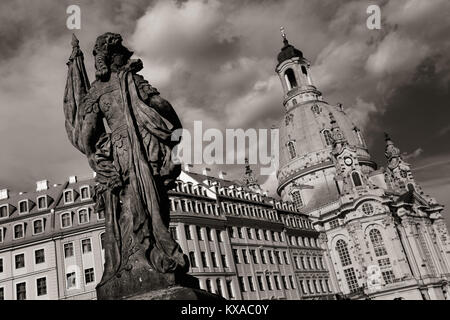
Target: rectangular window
<point>68,250</point>
<point>18,231</point>
<point>208,233</point>
<point>263,256</point>
<point>39,256</point>
<point>249,233</point>
<point>269,283</point>
<point>187,230</point>
<point>219,236</point>
<point>21,291</point>
<point>41,285</point>
<point>89,275</point>
<point>388,276</point>
<point>350,277</point>
<point>278,257</point>
<point>1,234</point>
<point>199,233</point>
<point>83,216</point>
<point>291,281</point>
<point>231,232</point>
<point>38,226</point>
<point>271,256</point>
<point>224,261</point>
<point>192,259</point>
<point>68,196</point>
<point>254,256</point>
<point>258,234</point>
<point>236,256</point>
<point>245,256</point>
<point>260,283</point>
<point>277,283</point>
<point>66,220</point>
<point>251,285</point>
<point>204,261</point>
<point>214,260</point>
<point>2,294</point>
<point>308,284</point>
<point>20,261</point>
<point>286,260</point>
<point>101,215</point>
<point>230,288</point>
<point>302,285</point>
<point>285,284</point>
<point>240,234</point>
<point>241,284</point>
<point>42,202</point>
<point>4,211</point>
<point>1,265</point>
<point>23,206</point>
<point>86,245</point>
<point>173,232</point>
<point>85,193</point>
<point>71,279</point>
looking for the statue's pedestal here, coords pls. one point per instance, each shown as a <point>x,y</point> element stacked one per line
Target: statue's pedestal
<point>147,284</point>
<point>176,293</point>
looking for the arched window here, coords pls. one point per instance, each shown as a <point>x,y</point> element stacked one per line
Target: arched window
<point>208,285</point>
<point>327,137</point>
<point>304,71</point>
<point>297,199</point>
<point>356,179</point>
<point>290,79</point>
<point>102,240</point>
<point>291,149</point>
<point>377,242</point>
<point>342,250</point>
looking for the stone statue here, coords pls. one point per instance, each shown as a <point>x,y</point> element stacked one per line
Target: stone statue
<point>124,127</point>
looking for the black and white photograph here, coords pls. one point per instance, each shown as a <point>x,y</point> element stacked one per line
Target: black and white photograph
<point>224,155</point>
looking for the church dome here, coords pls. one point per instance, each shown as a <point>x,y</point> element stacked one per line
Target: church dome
<point>288,52</point>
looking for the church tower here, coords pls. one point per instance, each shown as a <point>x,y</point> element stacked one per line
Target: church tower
<point>383,236</point>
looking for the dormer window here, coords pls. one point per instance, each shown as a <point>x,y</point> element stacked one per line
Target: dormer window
<point>85,193</point>
<point>38,226</point>
<point>42,202</point>
<point>83,216</point>
<point>4,211</point>
<point>23,206</point>
<point>19,231</point>
<point>68,196</point>
<point>66,220</point>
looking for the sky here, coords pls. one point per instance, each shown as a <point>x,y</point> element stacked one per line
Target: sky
<point>215,60</point>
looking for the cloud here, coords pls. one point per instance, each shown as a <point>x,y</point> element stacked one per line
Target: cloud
<point>215,60</point>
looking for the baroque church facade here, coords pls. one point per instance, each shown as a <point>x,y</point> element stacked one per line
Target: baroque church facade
<point>384,238</point>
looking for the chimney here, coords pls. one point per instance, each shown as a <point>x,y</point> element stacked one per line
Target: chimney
<point>206,171</point>
<point>4,194</point>
<point>222,175</point>
<point>72,179</point>
<point>42,185</point>
<point>187,167</point>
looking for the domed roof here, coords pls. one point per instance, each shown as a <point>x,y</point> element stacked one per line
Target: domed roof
<point>288,52</point>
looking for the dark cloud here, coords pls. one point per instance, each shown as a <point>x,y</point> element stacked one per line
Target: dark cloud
<point>215,61</point>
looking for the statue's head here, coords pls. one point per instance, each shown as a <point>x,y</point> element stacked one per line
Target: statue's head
<point>109,55</point>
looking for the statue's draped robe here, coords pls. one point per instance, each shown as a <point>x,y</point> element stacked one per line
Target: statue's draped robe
<point>139,234</point>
